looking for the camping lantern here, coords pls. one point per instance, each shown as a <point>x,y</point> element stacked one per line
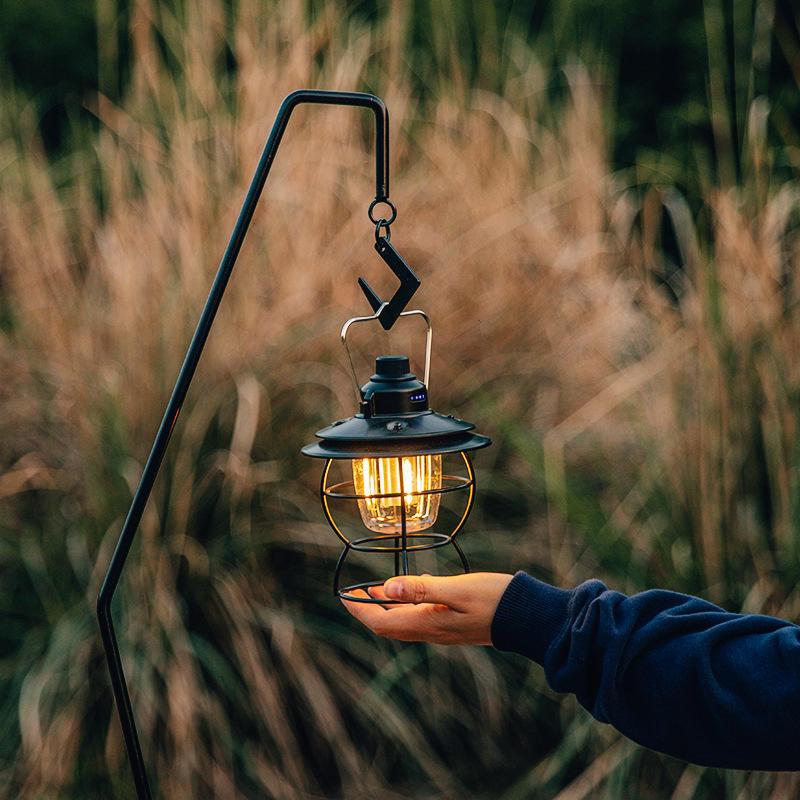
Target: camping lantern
<point>395,445</point>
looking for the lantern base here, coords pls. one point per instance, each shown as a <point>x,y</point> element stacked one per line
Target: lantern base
<point>414,542</point>
<point>400,568</point>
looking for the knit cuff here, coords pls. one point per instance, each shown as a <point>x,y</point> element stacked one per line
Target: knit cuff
<point>530,615</point>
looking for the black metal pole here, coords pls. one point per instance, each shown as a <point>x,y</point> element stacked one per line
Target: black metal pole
<point>186,374</point>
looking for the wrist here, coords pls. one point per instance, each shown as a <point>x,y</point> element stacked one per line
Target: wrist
<point>529,616</point>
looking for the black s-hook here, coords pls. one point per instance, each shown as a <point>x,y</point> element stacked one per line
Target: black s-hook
<point>388,312</point>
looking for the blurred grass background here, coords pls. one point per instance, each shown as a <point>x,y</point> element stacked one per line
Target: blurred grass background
<point>603,203</point>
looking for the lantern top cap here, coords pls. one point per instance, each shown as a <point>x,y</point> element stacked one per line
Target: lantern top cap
<point>423,433</point>
<point>393,389</point>
<point>394,419</point>
<point>393,368</point>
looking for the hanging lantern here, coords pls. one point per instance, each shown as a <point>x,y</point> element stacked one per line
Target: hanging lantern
<point>396,447</point>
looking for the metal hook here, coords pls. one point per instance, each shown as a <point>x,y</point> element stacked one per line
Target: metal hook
<point>388,312</point>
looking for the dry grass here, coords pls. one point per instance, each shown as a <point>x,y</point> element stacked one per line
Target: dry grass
<point>639,438</point>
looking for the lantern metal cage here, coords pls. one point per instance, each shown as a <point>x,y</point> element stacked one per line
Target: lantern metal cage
<point>405,542</point>
<point>397,435</point>
<point>396,430</point>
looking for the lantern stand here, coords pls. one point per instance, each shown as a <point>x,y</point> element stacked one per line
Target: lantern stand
<point>386,313</point>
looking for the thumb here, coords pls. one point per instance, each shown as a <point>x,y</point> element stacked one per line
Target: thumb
<point>421,589</point>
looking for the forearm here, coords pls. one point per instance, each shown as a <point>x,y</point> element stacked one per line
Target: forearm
<point>672,672</point>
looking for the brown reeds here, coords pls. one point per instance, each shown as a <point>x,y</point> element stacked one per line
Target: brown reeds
<point>643,436</point>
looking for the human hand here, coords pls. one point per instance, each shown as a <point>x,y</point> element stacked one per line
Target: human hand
<point>449,610</point>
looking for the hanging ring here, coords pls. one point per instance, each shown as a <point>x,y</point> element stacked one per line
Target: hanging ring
<point>383,223</point>
<point>389,203</point>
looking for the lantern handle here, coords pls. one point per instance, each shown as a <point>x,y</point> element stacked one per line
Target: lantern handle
<point>377,317</point>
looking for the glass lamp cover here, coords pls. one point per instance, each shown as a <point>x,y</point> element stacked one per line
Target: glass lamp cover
<point>381,476</point>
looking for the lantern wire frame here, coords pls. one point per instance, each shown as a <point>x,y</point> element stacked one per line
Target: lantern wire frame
<point>400,543</point>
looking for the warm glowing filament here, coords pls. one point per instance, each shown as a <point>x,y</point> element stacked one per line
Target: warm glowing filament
<point>374,477</point>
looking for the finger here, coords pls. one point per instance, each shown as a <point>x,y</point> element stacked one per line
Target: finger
<point>368,614</point>
<point>449,591</point>
<point>377,593</point>
<point>424,622</point>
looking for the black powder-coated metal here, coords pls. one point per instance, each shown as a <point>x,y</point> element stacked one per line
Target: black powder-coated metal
<point>384,449</point>
<point>393,389</point>
<point>402,545</point>
<point>409,282</point>
<point>394,420</point>
<point>420,434</point>
<point>186,374</point>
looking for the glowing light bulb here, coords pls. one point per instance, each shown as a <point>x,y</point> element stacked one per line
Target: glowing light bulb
<point>376,477</point>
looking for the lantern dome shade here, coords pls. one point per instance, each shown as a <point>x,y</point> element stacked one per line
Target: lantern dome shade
<point>423,433</point>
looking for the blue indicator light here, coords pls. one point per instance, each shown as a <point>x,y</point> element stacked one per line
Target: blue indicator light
<point>418,397</point>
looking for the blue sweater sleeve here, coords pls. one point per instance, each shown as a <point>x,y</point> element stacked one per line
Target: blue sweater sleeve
<point>672,672</point>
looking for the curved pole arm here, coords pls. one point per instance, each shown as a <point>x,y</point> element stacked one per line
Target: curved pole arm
<point>153,464</point>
